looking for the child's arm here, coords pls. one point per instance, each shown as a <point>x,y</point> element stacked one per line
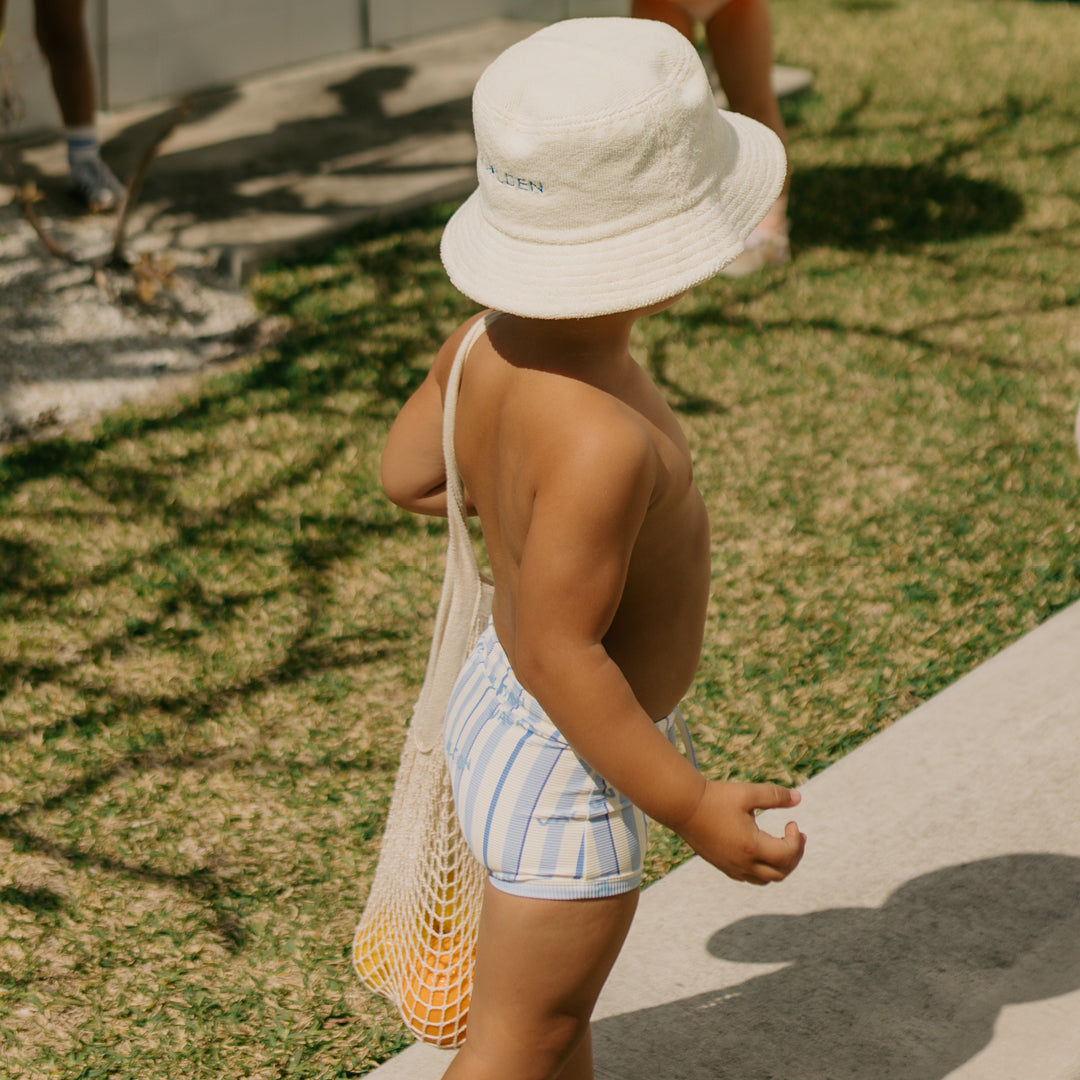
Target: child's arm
<point>413,472</point>
<point>591,501</point>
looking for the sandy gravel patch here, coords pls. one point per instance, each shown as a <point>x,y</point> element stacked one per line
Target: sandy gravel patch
<point>75,343</point>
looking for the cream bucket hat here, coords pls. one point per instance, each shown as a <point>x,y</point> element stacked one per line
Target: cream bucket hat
<point>608,178</point>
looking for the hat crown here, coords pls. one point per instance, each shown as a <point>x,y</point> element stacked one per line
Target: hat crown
<point>608,178</point>
<point>594,127</point>
<point>581,71</point>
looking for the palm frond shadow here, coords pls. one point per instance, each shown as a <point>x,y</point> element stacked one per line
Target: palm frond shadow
<point>244,527</point>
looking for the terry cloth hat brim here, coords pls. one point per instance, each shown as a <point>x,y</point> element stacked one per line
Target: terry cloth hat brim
<point>564,280</point>
<point>608,179</point>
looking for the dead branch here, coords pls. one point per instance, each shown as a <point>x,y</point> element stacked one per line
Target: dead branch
<point>151,273</point>
<point>118,256</point>
<point>27,196</point>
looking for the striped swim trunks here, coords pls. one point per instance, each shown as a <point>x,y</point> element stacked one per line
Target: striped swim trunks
<point>541,821</point>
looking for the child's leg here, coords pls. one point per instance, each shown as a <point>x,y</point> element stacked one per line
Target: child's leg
<point>540,965</point>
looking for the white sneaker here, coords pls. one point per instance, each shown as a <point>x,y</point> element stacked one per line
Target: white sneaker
<point>95,185</point>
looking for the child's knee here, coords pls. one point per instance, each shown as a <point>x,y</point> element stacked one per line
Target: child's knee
<point>563,1035</point>
<point>536,1054</point>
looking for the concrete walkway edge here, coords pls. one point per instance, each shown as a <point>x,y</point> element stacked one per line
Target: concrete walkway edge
<point>932,931</point>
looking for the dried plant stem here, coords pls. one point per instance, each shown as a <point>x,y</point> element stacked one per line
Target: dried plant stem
<point>150,274</point>
<point>118,257</point>
<point>28,195</point>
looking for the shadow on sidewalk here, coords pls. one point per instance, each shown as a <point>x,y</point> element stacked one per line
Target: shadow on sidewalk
<point>908,991</point>
<point>250,172</point>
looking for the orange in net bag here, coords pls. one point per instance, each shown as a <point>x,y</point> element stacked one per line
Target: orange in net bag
<point>435,1001</point>
<point>421,955</point>
<point>432,996</point>
<point>416,941</point>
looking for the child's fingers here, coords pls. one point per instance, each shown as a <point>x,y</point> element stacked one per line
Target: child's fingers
<point>778,856</point>
<point>771,797</point>
<point>723,831</point>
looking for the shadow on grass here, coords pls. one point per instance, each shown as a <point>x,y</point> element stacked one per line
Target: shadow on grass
<point>306,657</point>
<point>36,899</point>
<point>876,6</point>
<point>893,208</point>
<point>330,351</point>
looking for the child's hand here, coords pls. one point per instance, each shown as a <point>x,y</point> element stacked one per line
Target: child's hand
<point>722,830</point>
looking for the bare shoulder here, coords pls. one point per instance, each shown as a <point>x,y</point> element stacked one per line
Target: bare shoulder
<point>444,358</point>
<point>590,442</point>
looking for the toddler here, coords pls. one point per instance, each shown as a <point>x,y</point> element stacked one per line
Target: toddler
<point>609,184</point>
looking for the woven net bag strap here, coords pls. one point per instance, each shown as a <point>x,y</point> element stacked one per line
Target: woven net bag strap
<point>465,600</point>
<point>455,494</point>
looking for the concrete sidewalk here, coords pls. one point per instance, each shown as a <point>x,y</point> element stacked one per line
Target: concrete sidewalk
<point>932,930</point>
<point>289,161</point>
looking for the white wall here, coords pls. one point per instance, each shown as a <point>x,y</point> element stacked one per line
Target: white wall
<point>553,10</point>
<point>395,20</point>
<point>161,48</point>
<point>150,49</point>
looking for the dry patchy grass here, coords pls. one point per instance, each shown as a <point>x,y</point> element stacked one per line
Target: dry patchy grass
<point>212,625</point>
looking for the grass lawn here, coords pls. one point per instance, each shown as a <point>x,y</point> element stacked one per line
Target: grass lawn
<point>213,625</point>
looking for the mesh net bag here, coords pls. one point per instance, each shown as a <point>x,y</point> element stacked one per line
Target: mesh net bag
<point>416,941</point>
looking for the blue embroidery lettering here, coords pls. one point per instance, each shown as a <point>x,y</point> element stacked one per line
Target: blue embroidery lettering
<point>519,182</point>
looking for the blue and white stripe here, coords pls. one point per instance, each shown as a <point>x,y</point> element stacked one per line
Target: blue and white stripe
<point>542,822</point>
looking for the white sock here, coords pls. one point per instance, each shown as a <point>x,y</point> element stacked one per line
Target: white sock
<point>82,143</point>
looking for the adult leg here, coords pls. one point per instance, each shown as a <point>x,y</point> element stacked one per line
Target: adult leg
<point>664,11</point>
<point>739,33</point>
<point>61,32</point>
<point>540,965</point>
<point>740,41</point>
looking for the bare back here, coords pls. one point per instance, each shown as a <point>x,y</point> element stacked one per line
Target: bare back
<point>528,422</point>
